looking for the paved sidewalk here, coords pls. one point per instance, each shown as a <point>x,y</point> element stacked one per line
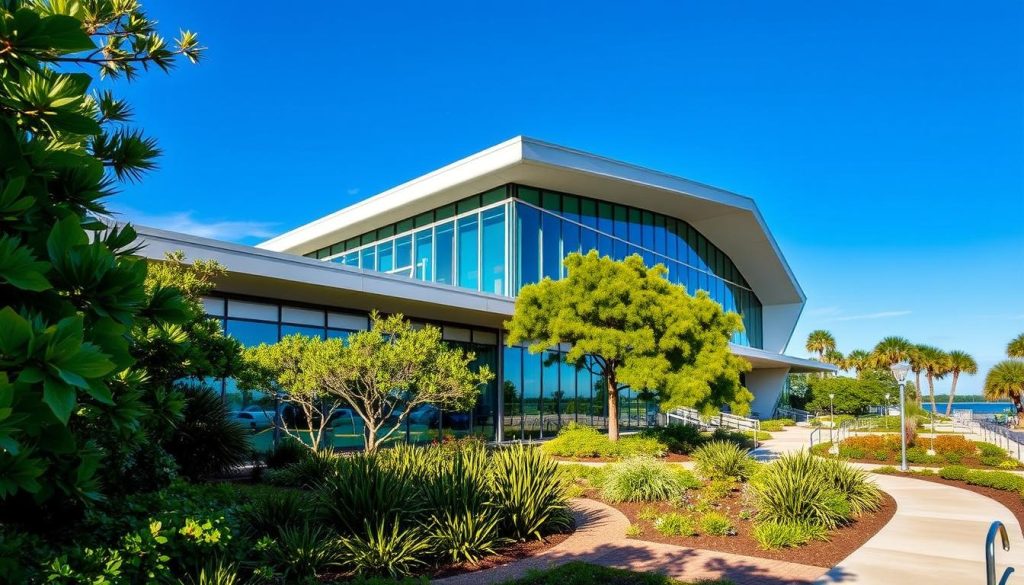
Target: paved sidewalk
<point>937,536</point>
<point>600,539</point>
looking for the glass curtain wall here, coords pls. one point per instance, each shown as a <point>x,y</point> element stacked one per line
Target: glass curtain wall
<point>549,226</point>
<point>542,393</point>
<point>254,322</point>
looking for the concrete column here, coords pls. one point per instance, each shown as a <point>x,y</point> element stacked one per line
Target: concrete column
<point>766,384</point>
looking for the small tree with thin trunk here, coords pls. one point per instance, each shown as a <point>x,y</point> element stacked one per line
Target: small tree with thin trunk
<point>629,325</point>
<point>936,366</point>
<point>292,367</point>
<point>387,373</point>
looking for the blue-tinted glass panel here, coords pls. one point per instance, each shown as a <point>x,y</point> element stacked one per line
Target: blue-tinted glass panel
<point>588,213</point>
<point>571,207</point>
<point>351,259</point>
<point>621,222</point>
<point>532,396</point>
<point>553,398</point>
<point>620,250</point>
<point>570,240</point>
<point>403,254</point>
<point>636,228</point>
<point>308,331</point>
<point>605,218</point>
<point>424,255</point>
<point>338,334</point>
<point>528,237</point>
<point>367,259</point>
<point>648,230</point>
<point>605,246</point>
<point>551,255</point>
<point>660,235</point>
<point>588,240</point>
<point>251,334</point>
<point>469,252</point>
<point>444,261</point>
<point>493,243</point>
<point>386,256</point>
<point>512,392</point>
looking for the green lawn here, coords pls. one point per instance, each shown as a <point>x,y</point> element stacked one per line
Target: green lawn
<point>578,573</point>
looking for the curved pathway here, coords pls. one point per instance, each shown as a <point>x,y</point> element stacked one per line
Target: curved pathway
<point>600,539</point>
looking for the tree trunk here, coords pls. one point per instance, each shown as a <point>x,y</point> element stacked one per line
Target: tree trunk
<point>1017,403</point>
<point>952,394</point>
<point>613,409</point>
<point>371,439</point>
<point>917,388</point>
<point>931,391</point>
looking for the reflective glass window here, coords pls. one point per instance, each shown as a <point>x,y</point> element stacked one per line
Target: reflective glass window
<point>621,222</point>
<point>367,259</point>
<point>529,195</point>
<point>588,240</point>
<point>570,240</point>
<point>493,243</point>
<point>551,201</point>
<point>351,259</point>
<point>403,254</point>
<point>512,392</point>
<point>469,252</point>
<point>660,235</point>
<point>250,333</point>
<point>636,227</point>
<point>551,255</point>
<point>306,330</point>
<point>532,395</point>
<point>528,236</point>
<point>386,256</point>
<point>620,250</point>
<point>571,207</point>
<point>605,246</point>
<point>605,218</point>
<point>444,241</point>
<point>648,230</point>
<point>588,213</point>
<point>424,255</point>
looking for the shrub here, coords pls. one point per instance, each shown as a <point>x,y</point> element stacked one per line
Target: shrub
<point>639,446</point>
<point>953,458</point>
<point>675,524</point>
<point>268,514</point>
<point>528,492</point>
<point>717,524</point>
<point>886,470</point>
<point>313,469</point>
<point>1009,464</point>
<point>910,430</point>
<point>575,440</point>
<point>990,450</point>
<point>634,530</point>
<point>920,456</point>
<point>287,452</point>
<point>641,480</point>
<point>798,488</point>
<point>773,535</point>
<point>771,426</point>
<point>1000,480</point>
<point>992,460</point>
<point>362,495</point>
<point>302,552</point>
<point>465,536</point>
<point>384,549</point>
<point>954,445</point>
<point>206,442</point>
<point>678,438</point>
<point>954,472</point>
<point>687,480</point>
<point>854,484</point>
<point>720,460</point>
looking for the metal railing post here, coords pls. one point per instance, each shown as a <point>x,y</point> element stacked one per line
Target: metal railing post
<point>990,550</point>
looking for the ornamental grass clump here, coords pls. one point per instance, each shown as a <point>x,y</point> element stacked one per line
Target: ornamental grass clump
<point>529,492</point>
<point>716,524</point>
<point>800,487</point>
<point>641,479</point>
<point>675,524</point>
<point>774,535</point>
<point>724,460</point>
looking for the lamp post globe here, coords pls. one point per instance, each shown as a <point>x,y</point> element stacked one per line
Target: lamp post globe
<point>900,371</point>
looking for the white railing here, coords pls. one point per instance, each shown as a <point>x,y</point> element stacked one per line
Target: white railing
<point>721,420</point>
<point>793,413</point>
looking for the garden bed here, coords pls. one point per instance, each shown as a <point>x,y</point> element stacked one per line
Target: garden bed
<point>514,552</point>
<point>842,541</point>
<point>949,450</point>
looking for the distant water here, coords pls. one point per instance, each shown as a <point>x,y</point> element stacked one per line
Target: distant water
<point>977,407</point>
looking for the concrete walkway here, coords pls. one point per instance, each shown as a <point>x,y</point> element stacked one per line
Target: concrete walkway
<point>937,536</point>
<point>600,539</point>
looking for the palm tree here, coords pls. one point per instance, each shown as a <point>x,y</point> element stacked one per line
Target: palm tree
<point>1006,380</point>
<point>820,342</point>
<point>916,357</point>
<point>960,362</point>
<point>936,365</point>
<point>890,350</point>
<point>836,358</point>
<point>1015,348</point>
<point>858,360</point>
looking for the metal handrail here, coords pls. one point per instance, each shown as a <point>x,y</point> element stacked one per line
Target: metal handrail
<point>793,413</point>
<point>815,431</point>
<point>990,552</point>
<point>722,420</point>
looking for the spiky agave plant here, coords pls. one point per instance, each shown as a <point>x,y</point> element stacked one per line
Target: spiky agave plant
<point>302,552</point>
<point>529,492</point>
<point>794,489</point>
<point>641,479</point>
<point>856,486</point>
<point>384,549</point>
<point>723,459</point>
<point>364,491</point>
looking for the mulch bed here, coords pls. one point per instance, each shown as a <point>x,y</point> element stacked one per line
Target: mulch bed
<point>843,541</point>
<point>1012,500</point>
<point>506,555</point>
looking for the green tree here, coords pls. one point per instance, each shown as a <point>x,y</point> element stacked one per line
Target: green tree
<point>857,360</point>
<point>960,362</point>
<point>70,289</point>
<point>1015,348</point>
<point>820,342</point>
<point>390,371</point>
<point>292,368</point>
<point>1006,380</point>
<point>936,366</point>
<point>627,324</point>
<point>890,350</point>
<point>852,395</point>
<point>835,357</point>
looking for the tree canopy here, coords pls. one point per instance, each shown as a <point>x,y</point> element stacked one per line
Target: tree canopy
<point>628,324</point>
<point>1015,348</point>
<point>1006,380</point>
<point>72,293</point>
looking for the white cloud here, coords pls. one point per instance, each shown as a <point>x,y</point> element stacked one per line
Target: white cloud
<point>878,315</point>
<point>186,222</point>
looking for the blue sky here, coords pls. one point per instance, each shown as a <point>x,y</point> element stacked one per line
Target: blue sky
<point>883,142</point>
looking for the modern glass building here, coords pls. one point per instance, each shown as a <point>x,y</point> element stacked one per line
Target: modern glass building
<point>454,247</point>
